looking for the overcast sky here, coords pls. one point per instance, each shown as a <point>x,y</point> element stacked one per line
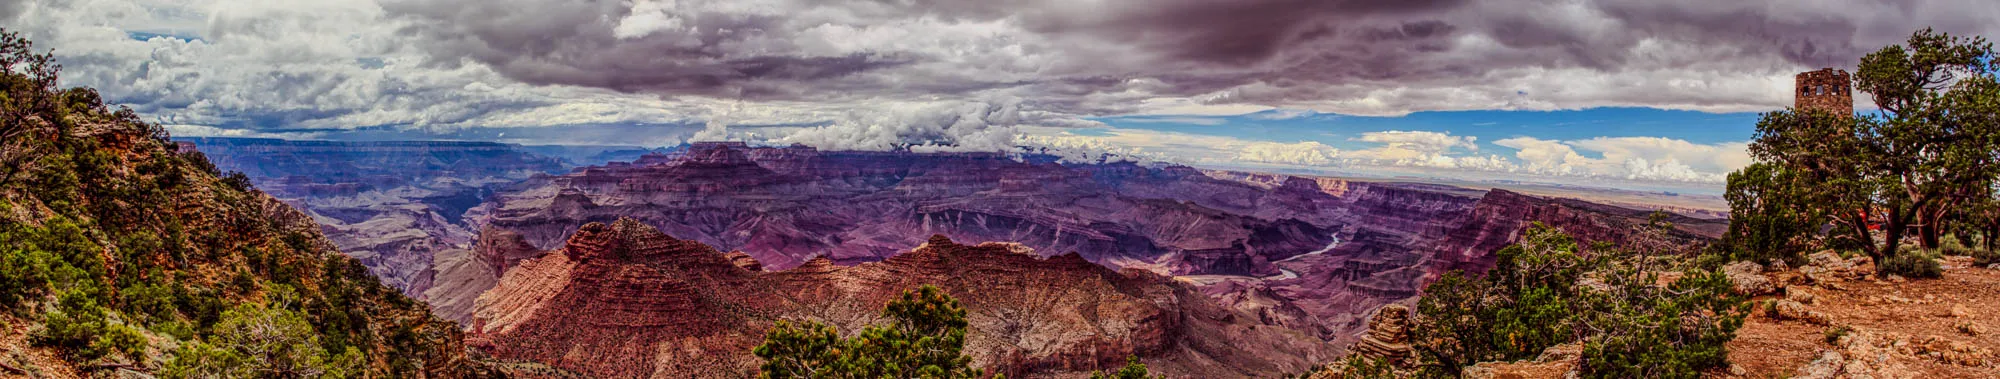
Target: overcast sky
<point>1564,90</point>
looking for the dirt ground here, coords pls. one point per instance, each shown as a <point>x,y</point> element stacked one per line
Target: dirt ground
<point>1921,309</point>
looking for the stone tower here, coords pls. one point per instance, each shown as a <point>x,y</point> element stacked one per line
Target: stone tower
<point>1826,90</point>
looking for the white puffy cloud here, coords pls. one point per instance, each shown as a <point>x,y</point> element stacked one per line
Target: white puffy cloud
<point>1415,148</point>
<point>1306,153</point>
<point>1633,158</point>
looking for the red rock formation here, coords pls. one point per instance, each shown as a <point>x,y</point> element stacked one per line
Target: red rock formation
<point>1264,245</point>
<point>625,300</point>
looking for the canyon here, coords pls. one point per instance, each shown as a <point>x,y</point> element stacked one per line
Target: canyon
<point>394,205</point>
<point>625,300</point>
<point>491,238</point>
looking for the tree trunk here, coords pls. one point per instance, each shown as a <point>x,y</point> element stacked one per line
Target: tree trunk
<point>1858,222</point>
<point>1928,235</point>
<point>1893,231</point>
<point>1992,234</point>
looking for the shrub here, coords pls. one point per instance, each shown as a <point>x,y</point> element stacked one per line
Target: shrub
<point>253,340</point>
<point>1767,219</point>
<point>1983,257</point>
<point>924,339</point>
<point>33,259</point>
<point>122,339</point>
<point>1833,334</point>
<point>1533,299</point>
<point>83,328</point>
<point>237,181</point>
<point>1132,370</point>
<point>1521,307</point>
<point>1911,264</point>
<point>1672,332</point>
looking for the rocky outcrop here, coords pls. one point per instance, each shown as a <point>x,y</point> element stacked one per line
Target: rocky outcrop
<point>1559,361</point>
<point>625,300</point>
<point>1388,338</point>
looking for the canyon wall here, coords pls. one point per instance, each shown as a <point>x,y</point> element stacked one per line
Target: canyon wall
<point>1291,256</point>
<point>625,300</point>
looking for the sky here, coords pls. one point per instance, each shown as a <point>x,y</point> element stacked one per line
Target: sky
<point>1625,93</point>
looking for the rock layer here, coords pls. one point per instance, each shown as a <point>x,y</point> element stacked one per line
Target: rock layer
<point>1313,254</point>
<point>626,300</point>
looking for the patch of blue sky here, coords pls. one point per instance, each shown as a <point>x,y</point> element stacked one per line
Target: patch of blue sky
<point>143,36</point>
<point>1487,125</point>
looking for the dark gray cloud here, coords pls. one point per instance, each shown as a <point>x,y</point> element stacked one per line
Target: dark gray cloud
<point>951,73</point>
<point>1095,58</point>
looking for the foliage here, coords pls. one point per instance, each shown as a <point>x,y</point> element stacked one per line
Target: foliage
<point>1921,164</point>
<point>1913,264</point>
<point>1671,332</point>
<point>1768,219</point>
<point>1132,370</point>
<point>1518,309</point>
<point>84,328</point>
<point>33,258</point>
<point>29,87</point>
<point>256,341</point>
<point>1545,292</point>
<point>923,340</point>
<point>1985,257</point>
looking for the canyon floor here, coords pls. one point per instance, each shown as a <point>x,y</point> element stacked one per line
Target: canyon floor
<point>1912,320</point>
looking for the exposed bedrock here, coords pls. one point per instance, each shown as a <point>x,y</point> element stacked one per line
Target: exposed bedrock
<point>625,300</point>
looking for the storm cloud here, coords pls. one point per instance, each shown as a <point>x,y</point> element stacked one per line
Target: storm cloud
<point>950,74</point>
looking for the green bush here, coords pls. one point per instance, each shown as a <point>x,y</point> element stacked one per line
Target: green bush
<point>924,339</point>
<point>1672,332</point>
<point>1132,370</point>
<point>1532,300</point>
<point>1911,264</point>
<point>1521,307</point>
<point>83,328</point>
<point>1983,257</point>
<point>1767,217</point>
<point>253,340</point>
<point>122,339</point>
<point>59,253</point>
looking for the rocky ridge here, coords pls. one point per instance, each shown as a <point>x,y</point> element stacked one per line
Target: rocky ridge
<point>626,300</point>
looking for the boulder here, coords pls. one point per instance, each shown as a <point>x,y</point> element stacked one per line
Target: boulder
<point>1826,367</point>
<point>1830,260</point>
<point>1749,278</point>
<point>1799,294</point>
<point>1793,310</point>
